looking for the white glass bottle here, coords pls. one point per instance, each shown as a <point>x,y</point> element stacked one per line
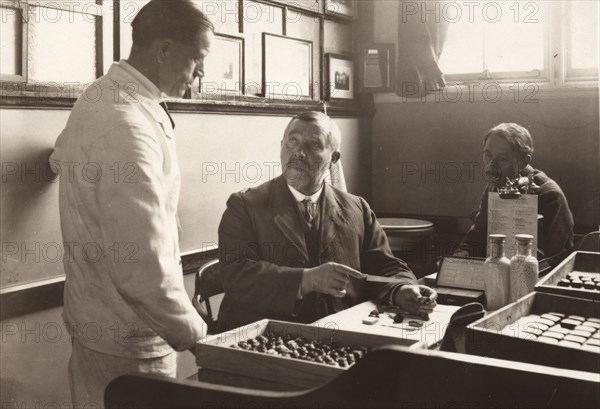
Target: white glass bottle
<point>497,274</point>
<point>523,268</point>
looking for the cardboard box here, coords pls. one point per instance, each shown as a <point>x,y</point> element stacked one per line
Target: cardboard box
<point>581,261</point>
<point>217,354</point>
<point>485,337</point>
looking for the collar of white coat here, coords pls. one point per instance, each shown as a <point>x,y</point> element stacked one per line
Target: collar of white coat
<point>299,196</point>
<point>147,90</point>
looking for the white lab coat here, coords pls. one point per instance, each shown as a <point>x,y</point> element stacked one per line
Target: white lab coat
<point>119,188</point>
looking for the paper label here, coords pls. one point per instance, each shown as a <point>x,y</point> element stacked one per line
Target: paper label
<point>511,217</point>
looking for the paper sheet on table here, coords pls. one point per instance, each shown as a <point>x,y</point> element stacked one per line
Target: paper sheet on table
<point>431,333</point>
<point>511,217</point>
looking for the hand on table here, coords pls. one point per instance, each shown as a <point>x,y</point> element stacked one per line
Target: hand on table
<point>329,278</point>
<point>416,299</point>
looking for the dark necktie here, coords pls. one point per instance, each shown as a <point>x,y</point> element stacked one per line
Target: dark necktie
<point>164,106</point>
<point>309,211</point>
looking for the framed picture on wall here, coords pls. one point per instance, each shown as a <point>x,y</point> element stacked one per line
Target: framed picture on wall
<point>287,67</point>
<point>339,78</point>
<point>345,8</point>
<point>224,66</point>
<point>376,67</point>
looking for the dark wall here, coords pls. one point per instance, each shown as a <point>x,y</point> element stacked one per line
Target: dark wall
<point>427,156</point>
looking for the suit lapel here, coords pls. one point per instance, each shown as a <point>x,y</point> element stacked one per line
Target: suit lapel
<point>332,222</point>
<point>285,215</point>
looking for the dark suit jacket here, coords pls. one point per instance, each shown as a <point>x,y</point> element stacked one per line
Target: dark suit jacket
<point>557,225</point>
<point>262,251</point>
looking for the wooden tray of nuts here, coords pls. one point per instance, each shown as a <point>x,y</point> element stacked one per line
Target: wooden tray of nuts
<point>577,276</point>
<point>541,328</point>
<point>284,352</point>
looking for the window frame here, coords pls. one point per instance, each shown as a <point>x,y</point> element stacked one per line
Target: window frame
<point>556,72</point>
<point>23,7</point>
<point>63,95</point>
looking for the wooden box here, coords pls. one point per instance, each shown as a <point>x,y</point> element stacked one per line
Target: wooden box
<point>579,261</point>
<point>217,354</point>
<point>485,336</point>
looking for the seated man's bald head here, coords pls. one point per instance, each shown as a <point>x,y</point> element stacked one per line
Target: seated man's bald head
<point>334,135</point>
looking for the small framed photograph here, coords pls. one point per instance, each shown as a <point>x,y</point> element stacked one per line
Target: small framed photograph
<point>339,82</point>
<point>376,67</point>
<point>287,67</point>
<point>345,8</point>
<point>224,66</point>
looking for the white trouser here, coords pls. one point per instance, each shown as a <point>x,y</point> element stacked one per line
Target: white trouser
<point>91,371</point>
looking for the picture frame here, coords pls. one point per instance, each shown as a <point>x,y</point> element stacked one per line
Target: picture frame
<point>224,66</point>
<point>377,67</point>
<point>344,8</point>
<point>339,77</point>
<point>287,67</point>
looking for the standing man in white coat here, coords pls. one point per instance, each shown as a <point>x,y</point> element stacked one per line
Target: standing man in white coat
<point>124,301</point>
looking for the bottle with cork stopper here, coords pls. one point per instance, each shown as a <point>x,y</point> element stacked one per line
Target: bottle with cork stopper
<point>523,268</point>
<point>496,274</point>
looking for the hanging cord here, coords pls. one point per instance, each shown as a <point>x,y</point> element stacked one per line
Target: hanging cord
<point>584,238</point>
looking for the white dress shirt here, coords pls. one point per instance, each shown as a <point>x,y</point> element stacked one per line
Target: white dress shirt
<point>300,197</point>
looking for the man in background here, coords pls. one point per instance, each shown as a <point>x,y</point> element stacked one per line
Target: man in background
<point>507,152</point>
<point>295,248</point>
<point>124,301</point>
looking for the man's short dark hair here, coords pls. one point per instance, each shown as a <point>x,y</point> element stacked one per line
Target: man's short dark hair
<point>180,20</point>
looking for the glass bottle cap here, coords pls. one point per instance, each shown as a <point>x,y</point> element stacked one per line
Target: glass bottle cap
<point>497,237</point>
<point>524,237</point>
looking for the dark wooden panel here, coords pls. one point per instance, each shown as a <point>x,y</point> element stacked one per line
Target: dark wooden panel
<point>390,377</point>
<point>31,299</point>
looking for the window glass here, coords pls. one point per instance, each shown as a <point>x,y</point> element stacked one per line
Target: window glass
<point>583,34</point>
<point>462,52</point>
<point>516,41</point>
<point>62,46</point>
<point>500,37</point>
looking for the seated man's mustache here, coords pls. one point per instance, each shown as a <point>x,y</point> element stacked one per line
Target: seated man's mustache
<point>297,162</point>
<point>493,173</point>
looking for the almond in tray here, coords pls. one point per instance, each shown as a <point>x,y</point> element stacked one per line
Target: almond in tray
<point>300,348</point>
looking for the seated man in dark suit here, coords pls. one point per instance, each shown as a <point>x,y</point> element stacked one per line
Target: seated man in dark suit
<point>507,152</point>
<point>291,249</point>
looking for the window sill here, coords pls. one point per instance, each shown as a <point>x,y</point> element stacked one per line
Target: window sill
<point>235,104</point>
<point>515,92</point>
